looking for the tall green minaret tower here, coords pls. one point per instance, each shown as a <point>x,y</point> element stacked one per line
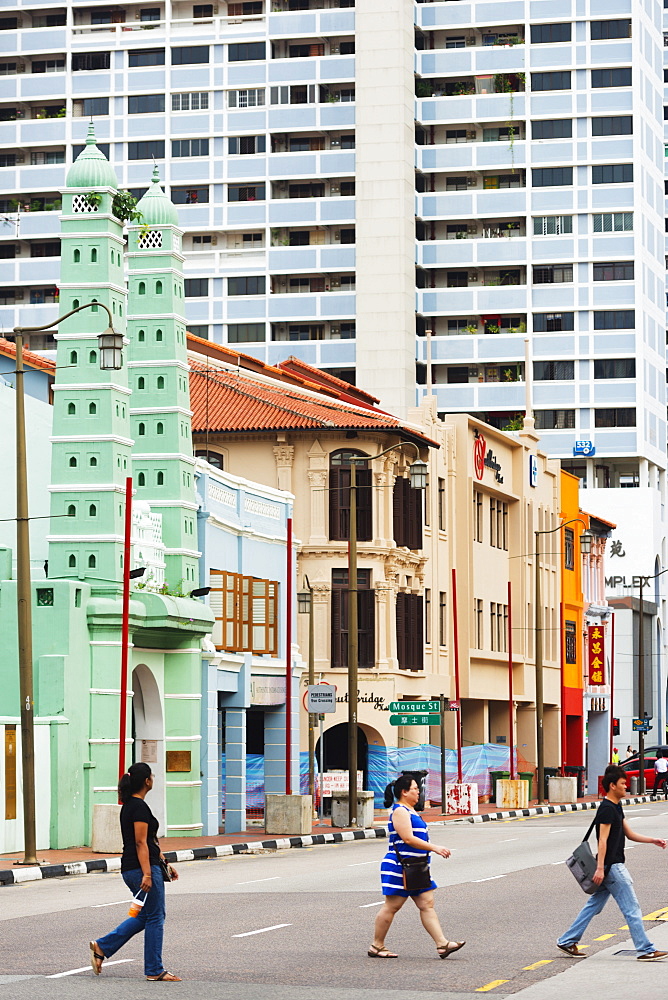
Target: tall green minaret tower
<point>91,420</point>
<point>162,461</point>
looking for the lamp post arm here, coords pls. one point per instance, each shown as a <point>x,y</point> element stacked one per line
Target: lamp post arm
<point>56,322</point>
<point>395,447</point>
<point>564,524</point>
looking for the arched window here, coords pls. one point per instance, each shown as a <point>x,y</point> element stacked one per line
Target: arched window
<point>161,382</point>
<point>76,256</point>
<point>93,256</point>
<point>92,407</point>
<point>94,307</point>
<point>159,427</point>
<point>92,460</point>
<point>158,288</point>
<point>141,288</point>
<point>71,510</point>
<point>160,479</point>
<point>92,562</point>
<point>75,303</point>
<point>120,309</point>
<point>92,510</point>
<point>113,259</point>
<point>158,334</point>
<point>141,384</point>
<point>73,357</point>
<point>141,336</point>
<point>141,429</point>
<point>72,561</point>
<point>141,479</point>
<point>212,457</point>
<point>71,409</point>
<point>339,495</point>
<point>113,305</point>
<point>73,462</point>
<point>92,357</point>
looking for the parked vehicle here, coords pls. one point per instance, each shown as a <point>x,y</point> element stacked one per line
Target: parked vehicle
<point>632,767</point>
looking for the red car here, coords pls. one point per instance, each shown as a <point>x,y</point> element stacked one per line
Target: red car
<point>632,768</point>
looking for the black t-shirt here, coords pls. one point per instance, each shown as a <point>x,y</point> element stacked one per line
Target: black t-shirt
<point>613,814</point>
<point>136,811</point>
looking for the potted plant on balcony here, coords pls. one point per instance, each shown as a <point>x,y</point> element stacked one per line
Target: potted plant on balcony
<point>471,328</point>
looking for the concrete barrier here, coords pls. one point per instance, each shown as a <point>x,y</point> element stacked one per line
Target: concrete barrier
<point>512,793</point>
<point>340,814</point>
<point>288,815</point>
<point>107,829</point>
<point>562,789</point>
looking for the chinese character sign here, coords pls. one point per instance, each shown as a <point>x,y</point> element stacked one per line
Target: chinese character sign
<point>596,654</point>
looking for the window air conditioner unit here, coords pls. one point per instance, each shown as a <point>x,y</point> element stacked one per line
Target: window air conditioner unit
<point>335,189</point>
<point>471,134</point>
<point>334,330</point>
<point>473,276</point>
<point>336,142</point>
<point>335,283</point>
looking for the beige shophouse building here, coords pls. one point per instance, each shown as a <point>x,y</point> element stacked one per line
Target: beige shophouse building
<point>297,429</point>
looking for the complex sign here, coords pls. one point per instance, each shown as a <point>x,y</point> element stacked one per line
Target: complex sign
<point>596,655</point>
<point>484,458</point>
<point>585,448</point>
<point>321,698</point>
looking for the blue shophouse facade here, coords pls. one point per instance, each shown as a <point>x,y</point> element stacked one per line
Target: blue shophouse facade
<point>242,529</point>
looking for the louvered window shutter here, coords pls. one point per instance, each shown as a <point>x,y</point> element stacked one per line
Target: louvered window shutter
<point>366,614</point>
<point>364,505</point>
<point>401,630</point>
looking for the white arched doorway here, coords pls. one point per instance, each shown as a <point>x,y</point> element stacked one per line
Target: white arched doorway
<point>148,727</point>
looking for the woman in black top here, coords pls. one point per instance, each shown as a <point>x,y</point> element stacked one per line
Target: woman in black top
<point>141,871</point>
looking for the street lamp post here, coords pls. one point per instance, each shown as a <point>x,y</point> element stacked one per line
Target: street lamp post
<point>641,676</point>
<point>585,546</point>
<point>114,341</point>
<point>418,476</point>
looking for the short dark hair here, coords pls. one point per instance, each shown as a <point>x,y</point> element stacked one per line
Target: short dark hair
<point>613,774</point>
<point>403,784</point>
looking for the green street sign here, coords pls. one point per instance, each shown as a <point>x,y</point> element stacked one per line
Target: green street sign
<point>415,720</point>
<point>415,706</point>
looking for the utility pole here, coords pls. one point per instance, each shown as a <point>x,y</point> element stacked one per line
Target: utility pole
<point>540,741</point>
<point>641,690</point>
<point>353,647</point>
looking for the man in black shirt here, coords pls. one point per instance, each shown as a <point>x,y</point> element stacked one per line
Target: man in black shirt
<point>611,873</point>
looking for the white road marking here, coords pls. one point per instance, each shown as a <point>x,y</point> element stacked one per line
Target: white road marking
<point>509,840</point>
<point>87,968</point>
<point>490,879</point>
<point>365,906</point>
<point>262,930</point>
<point>272,879</point>
<point>360,864</point>
<point>557,863</point>
<point>558,831</point>
<point>98,906</point>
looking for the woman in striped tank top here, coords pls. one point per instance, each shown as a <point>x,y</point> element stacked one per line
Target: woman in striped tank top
<point>410,836</point>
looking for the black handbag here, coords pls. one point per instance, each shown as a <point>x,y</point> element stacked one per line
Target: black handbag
<point>417,877</point>
<point>582,864</point>
<point>164,868</point>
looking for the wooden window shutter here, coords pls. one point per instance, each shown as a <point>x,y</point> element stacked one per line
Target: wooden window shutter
<point>414,518</point>
<point>401,630</point>
<point>339,629</point>
<point>399,512</point>
<point>339,503</point>
<point>416,631</point>
<point>366,615</point>
<point>364,505</point>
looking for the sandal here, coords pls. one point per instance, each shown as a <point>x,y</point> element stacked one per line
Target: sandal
<point>450,948</point>
<point>375,952</point>
<point>164,977</point>
<point>96,959</point>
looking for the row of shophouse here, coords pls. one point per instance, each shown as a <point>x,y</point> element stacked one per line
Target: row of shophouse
<point>230,458</point>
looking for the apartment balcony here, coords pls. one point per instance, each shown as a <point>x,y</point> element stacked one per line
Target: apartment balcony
<point>326,306</point>
<point>311,258</point>
<point>473,398</point>
<point>311,164</point>
<point>430,16</point>
<point>449,349</point>
<point>474,300</point>
<point>302,211</point>
<point>473,250</point>
<point>321,69</point>
<point>318,23</point>
<point>506,59</point>
<point>475,154</point>
<point>292,284</point>
<point>468,107</point>
<point>473,203</point>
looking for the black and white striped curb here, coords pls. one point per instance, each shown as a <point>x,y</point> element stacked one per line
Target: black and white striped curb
<point>17,875</point>
<point>547,810</point>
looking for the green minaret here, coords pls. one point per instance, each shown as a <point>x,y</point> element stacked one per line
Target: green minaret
<point>162,461</point>
<point>91,420</point>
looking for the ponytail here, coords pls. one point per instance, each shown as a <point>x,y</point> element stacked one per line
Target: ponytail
<point>133,781</point>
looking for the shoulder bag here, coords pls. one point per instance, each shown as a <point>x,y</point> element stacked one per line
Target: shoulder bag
<point>582,863</point>
<point>417,877</point>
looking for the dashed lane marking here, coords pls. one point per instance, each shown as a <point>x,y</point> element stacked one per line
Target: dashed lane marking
<point>261,930</point>
<point>360,864</point>
<point>98,906</point>
<point>365,906</point>
<point>537,965</point>
<point>509,840</point>
<point>87,968</point>
<point>490,879</point>
<point>273,878</point>
<point>492,985</point>
<point>605,937</point>
<point>661,914</point>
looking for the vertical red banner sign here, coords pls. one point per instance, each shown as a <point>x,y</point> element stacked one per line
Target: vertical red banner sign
<point>596,656</point>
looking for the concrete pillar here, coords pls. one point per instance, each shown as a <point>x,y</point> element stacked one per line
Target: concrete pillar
<point>275,744</point>
<point>210,755</point>
<point>235,770</point>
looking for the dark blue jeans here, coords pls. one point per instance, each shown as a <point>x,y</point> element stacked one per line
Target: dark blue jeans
<point>151,920</point>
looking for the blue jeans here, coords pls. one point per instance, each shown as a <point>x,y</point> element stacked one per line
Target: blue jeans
<point>618,884</point>
<point>151,920</point>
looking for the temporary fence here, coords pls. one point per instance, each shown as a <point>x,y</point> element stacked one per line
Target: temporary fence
<point>384,764</point>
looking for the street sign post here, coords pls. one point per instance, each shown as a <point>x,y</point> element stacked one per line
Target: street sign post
<point>321,698</point>
<point>412,719</point>
<point>642,725</point>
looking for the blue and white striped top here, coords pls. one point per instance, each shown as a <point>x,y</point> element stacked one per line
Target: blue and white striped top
<point>391,872</point>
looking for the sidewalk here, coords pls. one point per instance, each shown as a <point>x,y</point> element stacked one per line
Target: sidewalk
<point>81,860</point>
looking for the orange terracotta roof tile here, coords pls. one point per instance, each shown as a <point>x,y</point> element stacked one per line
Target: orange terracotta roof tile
<point>324,378</point>
<point>234,402</point>
<point>8,348</point>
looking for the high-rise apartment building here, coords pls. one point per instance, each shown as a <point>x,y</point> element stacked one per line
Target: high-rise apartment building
<point>373,187</point>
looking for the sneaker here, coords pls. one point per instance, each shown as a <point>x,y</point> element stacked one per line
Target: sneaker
<point>653,956</point>
<point>573,951</point>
